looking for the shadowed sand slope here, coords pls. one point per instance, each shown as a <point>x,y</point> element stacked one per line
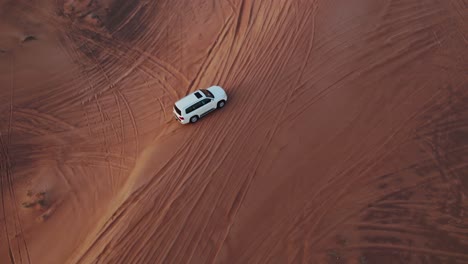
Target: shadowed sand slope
<point>345,139</point>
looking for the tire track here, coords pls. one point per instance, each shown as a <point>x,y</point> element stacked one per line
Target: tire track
<point>162,212</point>
<point>242,193</point>
<point>132,118</point>
<point>145,55</point>
<point>107,43</point>
<point>323,93</point>
<point>204,188</point>
<point>114,129</point>
<point>72,53</point>
<point>179,185</point>
<point>301,71</point>
<point>111,85</point>
<point>410,249</point>
<point>260,70</point>
<point>5,151</point>
<point>122,131</point>
<point>239,16</point>
<point>120,212</point>
<point>7,167</point>
<point>159,62</point>
<point>438,173</point>
<point>41,117</point>
<point>236,133</point>
<point>382,63</point>
<point>242,39</point>
<point>272,45</point>
<point>99,66</point>
<point>87,121</point>
<point>130,16</point>
<point>106,144</point>
<point>267,23</point>
<point>12,77</point>
<point>330,198</point>
<point>158,100</point>
<point>327,199</point>
<point>204,184</point>
<point>7,234</point>
<point>210,54</point>
<point>369,166</point>
<point>17,219</point>
<point>426,128</point>
<point>119,55</point>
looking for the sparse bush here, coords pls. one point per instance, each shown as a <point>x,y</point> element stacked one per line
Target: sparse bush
<point>334,254</point>
<point>342,241</point>
<point>362,260</point>
<point>29,38</point>
<point>39,200</point>
<point>28,204</point>
<point>42,203</point>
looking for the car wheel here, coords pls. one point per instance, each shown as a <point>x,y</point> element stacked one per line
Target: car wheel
<point>193,119</point>
<point>221,104</point>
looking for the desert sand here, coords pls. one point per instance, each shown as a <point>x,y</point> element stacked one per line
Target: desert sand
<point>345,138</point>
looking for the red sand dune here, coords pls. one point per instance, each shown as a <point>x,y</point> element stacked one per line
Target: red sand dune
<point>345,139</point>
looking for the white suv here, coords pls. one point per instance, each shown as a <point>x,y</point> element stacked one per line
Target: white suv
<point>199,103</point>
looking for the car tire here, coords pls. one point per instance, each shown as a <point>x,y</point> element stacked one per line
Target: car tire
<point>194,119</point>
<point>221,104</point>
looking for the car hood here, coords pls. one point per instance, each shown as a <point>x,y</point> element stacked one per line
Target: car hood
<point>217,91</point>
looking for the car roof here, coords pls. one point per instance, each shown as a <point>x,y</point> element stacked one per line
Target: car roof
<point>190,99</point>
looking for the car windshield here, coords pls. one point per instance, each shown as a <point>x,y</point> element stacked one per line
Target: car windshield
<point>177,110</point>
<point>207,93</point>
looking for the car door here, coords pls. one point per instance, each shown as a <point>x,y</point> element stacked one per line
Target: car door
<point>208,106</point>
<point>194,109</point>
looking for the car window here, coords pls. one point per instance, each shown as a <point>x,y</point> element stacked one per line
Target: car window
<point>198,105</point>
<point>207,93</point>
<point>198,95</point>
<point>205,101</point>
<point>194,107</point>
<point>177,110</point>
